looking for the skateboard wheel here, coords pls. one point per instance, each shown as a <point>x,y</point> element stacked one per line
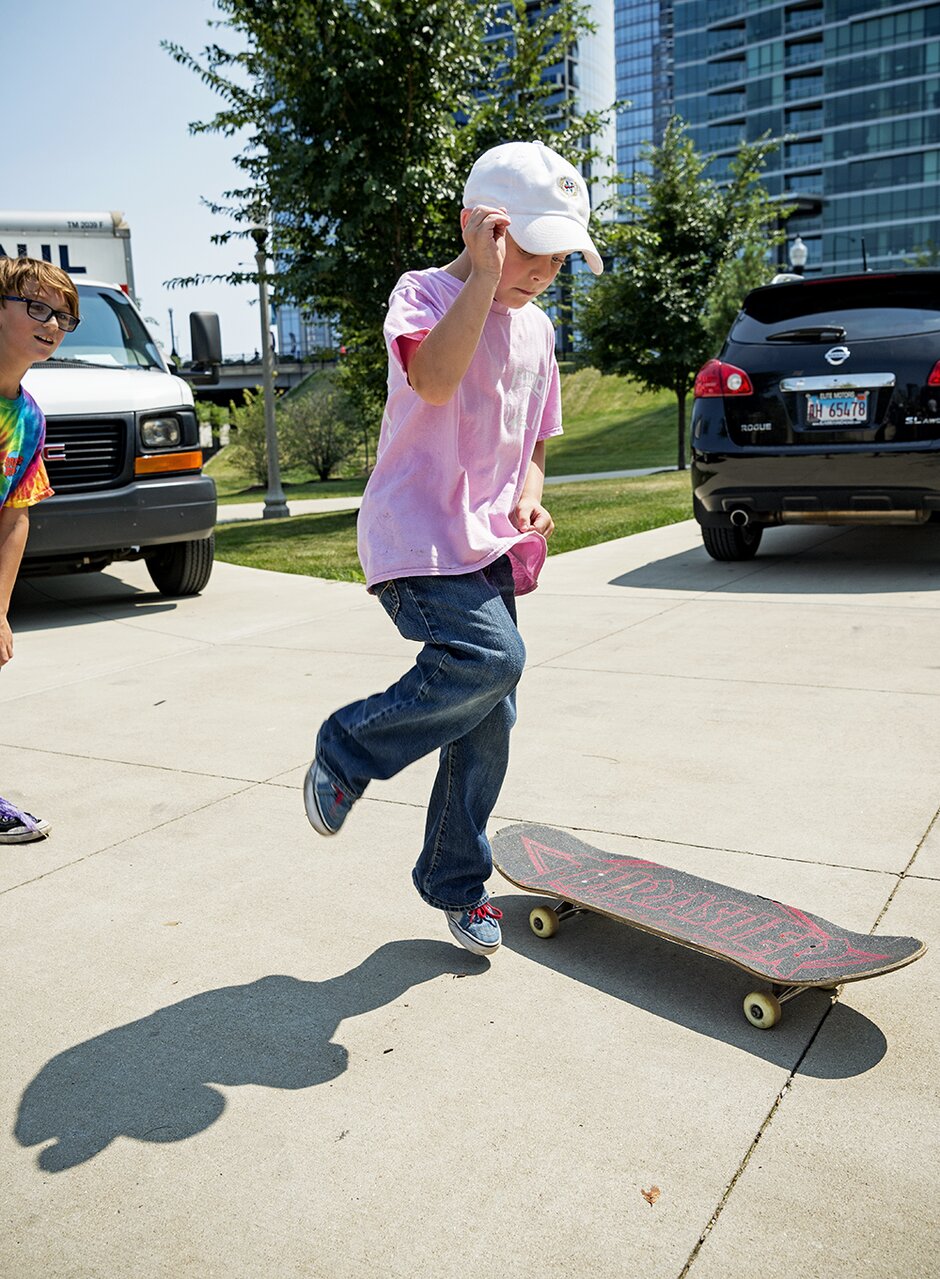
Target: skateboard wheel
<point>762,1010</point>
<point>543,921</point>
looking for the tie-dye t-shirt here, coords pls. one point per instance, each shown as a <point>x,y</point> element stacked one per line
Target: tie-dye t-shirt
<point>23,478</point>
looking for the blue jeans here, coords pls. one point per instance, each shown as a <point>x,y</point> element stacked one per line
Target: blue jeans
<point>458,698</point>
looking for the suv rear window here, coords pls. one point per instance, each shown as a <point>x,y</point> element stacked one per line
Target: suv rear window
<point>863,306</point>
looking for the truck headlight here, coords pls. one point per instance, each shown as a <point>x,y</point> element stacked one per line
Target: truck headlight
<point>160,433</point>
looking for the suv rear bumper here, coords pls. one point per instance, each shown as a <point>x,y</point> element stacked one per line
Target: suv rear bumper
<point>834,488</point>
<point>114,522</point>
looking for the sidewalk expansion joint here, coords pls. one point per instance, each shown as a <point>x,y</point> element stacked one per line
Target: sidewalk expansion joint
<point>132,763</point>
<point>77,861</point>
<point>765,1126</point>
<point>907,871</point>
<point>721,848</point>
<point>555,664</point>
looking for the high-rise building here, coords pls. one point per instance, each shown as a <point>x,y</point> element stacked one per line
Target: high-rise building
<point>585,75</point>
<point>595,87</point>
<point>852,90</point>
<point>303,334</point>
<point>643,55</point>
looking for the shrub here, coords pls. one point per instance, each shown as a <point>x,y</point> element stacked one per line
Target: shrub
<point>249,450</point>
<point>319,427</point>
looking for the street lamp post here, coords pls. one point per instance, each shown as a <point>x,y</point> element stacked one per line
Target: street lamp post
<point>275,504</point>
<point>860,240</point>
<point>798,255</point>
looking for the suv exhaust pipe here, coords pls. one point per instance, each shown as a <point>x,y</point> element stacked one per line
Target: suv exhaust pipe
<point>740,517</point>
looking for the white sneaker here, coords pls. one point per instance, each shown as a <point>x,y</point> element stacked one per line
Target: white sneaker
<point>17,827</point>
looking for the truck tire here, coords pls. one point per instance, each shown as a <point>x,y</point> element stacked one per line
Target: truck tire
<point>732,543</point>
<point>182,568</point>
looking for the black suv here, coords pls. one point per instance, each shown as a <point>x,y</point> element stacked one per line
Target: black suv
<point>823,407</point>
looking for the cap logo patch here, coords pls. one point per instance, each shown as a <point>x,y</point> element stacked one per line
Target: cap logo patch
<point>568,186</point>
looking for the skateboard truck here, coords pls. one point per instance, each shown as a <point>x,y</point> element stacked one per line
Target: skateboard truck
<point>763,1009</point>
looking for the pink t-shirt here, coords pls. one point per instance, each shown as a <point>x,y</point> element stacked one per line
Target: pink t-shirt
<point>448,476</point>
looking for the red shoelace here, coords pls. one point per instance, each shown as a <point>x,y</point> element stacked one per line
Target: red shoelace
<point>487,910</point>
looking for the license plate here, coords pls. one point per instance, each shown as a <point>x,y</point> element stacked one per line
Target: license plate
<point>837,407</point>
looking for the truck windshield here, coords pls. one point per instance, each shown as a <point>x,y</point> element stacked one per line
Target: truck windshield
<point>111,333</point>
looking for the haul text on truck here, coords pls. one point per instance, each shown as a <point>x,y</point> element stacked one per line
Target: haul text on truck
<point>122,440</point>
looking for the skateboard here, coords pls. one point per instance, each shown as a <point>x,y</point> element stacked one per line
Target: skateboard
<point>788,947</point>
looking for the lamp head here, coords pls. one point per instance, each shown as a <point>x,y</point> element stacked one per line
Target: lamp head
<point>798,253</point>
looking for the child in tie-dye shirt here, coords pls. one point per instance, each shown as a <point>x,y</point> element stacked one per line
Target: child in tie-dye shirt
<point>23,482</point>
<point>38,305</point>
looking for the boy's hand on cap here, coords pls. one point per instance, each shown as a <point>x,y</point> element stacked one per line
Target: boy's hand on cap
<point>484,234</point>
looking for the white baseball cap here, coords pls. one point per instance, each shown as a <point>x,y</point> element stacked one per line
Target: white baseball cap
<point>544,195</point>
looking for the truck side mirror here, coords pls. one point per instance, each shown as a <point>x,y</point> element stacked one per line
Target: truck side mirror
<point>206,340</point>
<point>206,337</point>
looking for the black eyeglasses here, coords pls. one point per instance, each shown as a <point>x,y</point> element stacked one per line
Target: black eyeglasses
<point>42,312</point>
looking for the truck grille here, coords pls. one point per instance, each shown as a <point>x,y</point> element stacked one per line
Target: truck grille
<point>84,454</point>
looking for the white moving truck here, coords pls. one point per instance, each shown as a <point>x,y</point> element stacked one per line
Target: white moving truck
<point>122,441</point>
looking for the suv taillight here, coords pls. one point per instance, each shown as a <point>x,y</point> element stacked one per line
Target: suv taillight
<point>715,378</point>
<point>934,379</point>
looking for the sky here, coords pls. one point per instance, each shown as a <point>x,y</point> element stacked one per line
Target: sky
<point>117,137</point>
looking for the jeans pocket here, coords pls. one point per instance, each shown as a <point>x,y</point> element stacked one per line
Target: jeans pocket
<point>387,595</point>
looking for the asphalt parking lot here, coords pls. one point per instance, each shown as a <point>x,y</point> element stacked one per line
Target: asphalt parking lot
<point>234,1049</point>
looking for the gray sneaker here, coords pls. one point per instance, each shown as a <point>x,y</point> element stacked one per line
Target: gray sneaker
<point>478,929</point>
<point>326,805</point>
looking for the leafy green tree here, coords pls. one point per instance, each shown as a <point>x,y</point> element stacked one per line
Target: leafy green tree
<point>926,256</point>
<point>681,261</point>
<point>215,415</point>
<point>363,117</point>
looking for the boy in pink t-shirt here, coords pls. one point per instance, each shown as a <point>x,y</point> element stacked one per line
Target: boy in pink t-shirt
<point>452,525</point>
<point>38,305</point>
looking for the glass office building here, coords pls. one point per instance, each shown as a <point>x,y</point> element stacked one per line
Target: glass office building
<point>584,74</point>
<point>303,334</point>
<point>851,87</point>
<point>596,87</point>
<point>643,54</point>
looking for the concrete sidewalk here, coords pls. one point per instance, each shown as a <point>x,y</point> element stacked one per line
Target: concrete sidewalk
<point>235,1049</point>
<point>234,512</point>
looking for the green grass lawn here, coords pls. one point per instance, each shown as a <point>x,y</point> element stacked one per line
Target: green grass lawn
<point>585,513</point>
<point>610,425</point>
<point>232,486</point>
<point>601,510</point>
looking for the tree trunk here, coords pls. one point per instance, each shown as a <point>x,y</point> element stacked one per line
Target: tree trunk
<point>680,399</point>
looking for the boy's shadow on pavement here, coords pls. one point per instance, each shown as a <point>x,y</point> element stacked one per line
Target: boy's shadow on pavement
<point>153,1078</point>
